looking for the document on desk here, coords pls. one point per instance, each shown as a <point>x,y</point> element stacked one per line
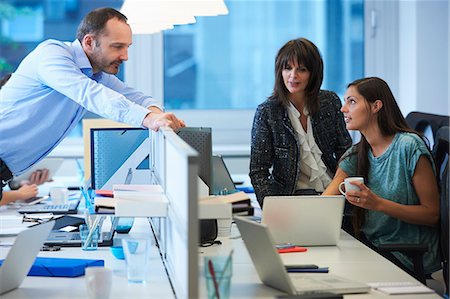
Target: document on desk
<point>12,225</point>
<point>402,287</point>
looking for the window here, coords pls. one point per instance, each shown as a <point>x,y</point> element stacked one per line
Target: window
<point>227,62</point>
<point>24,24</point>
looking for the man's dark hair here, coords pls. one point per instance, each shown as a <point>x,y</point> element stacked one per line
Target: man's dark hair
<point>95,21</point>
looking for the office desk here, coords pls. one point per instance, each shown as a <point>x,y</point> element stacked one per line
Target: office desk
<point>350,259</point>
<point>158,285</point>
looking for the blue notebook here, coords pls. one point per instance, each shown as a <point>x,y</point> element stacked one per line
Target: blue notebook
<point>61,267</point>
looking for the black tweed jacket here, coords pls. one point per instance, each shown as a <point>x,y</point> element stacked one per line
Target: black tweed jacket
<point>275,148</point>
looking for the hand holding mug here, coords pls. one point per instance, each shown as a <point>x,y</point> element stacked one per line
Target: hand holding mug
<point>359,194</point>
<point>349,186</point>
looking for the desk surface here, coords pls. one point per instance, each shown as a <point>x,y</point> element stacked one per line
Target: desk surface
<point>158,285</point>
<point>350,259</point>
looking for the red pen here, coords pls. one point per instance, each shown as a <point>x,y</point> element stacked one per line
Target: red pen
<point>292,249</point>
<point>213,274</point>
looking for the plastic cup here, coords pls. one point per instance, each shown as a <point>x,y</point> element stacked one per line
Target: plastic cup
<point>218,272</point>
<point>88,243</point>
<point>137,259</point>
<point>98,282</point>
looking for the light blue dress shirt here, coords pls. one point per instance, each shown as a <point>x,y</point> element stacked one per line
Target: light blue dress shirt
<point>48,95</point>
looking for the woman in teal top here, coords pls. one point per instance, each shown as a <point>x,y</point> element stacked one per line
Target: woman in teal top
<point>399,201</point>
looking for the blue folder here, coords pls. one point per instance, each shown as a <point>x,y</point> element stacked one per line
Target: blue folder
<point>61,267</point>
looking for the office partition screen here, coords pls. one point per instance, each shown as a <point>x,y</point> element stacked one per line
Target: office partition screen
<point>200,139</point>
<point>175,168</point>
<point>119,156</point>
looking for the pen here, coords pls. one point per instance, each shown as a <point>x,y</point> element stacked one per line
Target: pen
<point>284,246</point>
<point>305,270</point>
<point>227,264</point>
<point>213,274</point>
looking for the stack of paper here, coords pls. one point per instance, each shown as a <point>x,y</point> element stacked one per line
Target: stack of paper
<point>140,200</point>
<point>240,202</point>
<point>403,287</point>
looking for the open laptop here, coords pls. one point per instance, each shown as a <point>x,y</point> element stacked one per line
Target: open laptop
<point>21,256</point>
<point>307,220</point>
<point>221,177</point>
<point>272,272</point>
<point>73,238</point>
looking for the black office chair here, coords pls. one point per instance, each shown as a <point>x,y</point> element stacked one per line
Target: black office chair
<point>441,156</point>
<point>416,251</point>
<point>419,121</point>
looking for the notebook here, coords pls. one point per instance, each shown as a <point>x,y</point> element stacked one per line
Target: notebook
<point>73,239</point>
<point>21,256</point>
<point>308,220</point>
<point>70,207</point>
<point>272,272</point>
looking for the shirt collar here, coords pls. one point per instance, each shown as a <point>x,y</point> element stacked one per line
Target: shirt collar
<point>295,112</point>
<point>81,58</point>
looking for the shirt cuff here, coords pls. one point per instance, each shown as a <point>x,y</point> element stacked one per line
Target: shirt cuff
<point>152,102</point>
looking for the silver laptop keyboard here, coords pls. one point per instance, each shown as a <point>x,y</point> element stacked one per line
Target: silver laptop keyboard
<point>306,282</point>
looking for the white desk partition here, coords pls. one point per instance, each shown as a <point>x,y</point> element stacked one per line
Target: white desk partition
<point>175,167</point>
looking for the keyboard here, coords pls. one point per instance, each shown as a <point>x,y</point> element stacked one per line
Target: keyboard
<point>67,208</point>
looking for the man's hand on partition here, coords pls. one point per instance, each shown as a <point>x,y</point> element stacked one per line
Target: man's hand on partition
<point>157,119</point>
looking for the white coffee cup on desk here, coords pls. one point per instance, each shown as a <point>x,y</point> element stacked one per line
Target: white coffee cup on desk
<point>98,282</point>
<point>59,195</point>
<point>349,186</point>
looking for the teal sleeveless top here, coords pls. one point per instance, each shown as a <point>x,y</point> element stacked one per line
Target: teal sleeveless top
<point>390,176</point>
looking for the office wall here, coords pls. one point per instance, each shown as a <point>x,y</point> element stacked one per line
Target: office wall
<point>407,44</point>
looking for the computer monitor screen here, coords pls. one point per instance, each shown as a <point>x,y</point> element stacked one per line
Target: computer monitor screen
<point>119,156</point>
<point>200,139</point>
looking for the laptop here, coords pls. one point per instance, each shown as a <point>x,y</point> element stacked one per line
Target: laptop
<point>221,176</point>
<point>73,239</point>
<point>21,256</point>
<point>304,220</point>
<point>272,272</point>
<point>70,207</point>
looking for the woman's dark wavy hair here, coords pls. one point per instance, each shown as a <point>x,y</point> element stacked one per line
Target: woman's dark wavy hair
<point>390,121</point>
<point>95,21</point>
<point>303,52</point>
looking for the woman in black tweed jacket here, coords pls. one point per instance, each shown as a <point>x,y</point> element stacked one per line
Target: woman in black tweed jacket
<point>276,147</point>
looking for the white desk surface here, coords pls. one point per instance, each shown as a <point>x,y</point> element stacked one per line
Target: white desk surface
<point>158,285</point>
<point>350,259</point>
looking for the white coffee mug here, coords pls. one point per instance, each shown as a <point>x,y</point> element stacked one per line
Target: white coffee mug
<point>349,186</point>
<point>59,195</point>
<point>98,282</point>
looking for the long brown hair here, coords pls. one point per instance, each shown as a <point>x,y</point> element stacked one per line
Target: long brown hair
<point>303,52</point>
<point>390,120</point>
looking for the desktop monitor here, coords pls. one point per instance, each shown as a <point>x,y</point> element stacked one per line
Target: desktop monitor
<point>200,139</point>
<point>119,156</point>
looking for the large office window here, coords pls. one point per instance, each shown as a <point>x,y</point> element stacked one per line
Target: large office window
<point>219,63</point>
<point>227,62</point>
<point>26,23</point>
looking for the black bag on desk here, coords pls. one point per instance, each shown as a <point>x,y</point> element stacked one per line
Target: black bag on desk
<point>208,231</point>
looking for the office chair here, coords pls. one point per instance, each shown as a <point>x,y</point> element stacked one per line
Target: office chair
<point>416,251</point>
<point>441,156</point>
<point>419,121</point>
